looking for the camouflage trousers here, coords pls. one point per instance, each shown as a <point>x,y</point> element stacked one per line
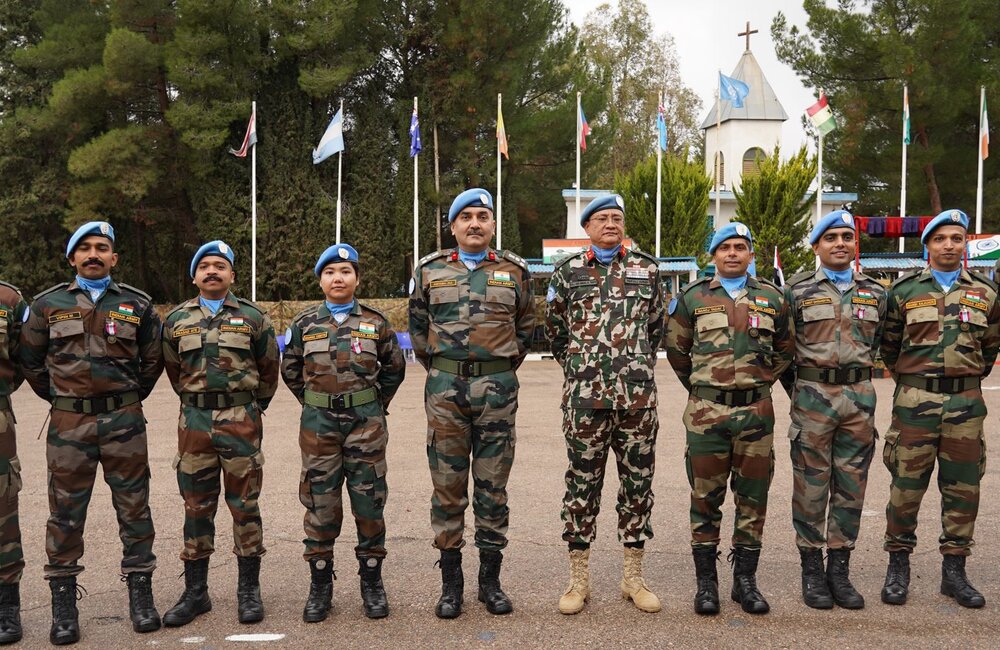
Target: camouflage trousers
<point>729,443</point>
<point>210,441</point>
<point>11,556</point>
<point>590,434</point>
<point>928,426</point>
<point>832,443</point>
<point>76,443</point>
<point>338,447</point>
<point>470,416</point>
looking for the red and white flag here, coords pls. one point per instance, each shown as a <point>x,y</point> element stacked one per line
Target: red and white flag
<point>779,273</point>
<point>250,139</point>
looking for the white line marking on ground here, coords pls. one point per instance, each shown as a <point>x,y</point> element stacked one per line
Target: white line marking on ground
<point>255,637</point>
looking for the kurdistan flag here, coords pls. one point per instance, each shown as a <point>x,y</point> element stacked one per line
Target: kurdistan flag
<point>821,116</point>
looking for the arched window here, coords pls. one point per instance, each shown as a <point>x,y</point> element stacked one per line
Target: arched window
<point>751,161</point>
<point>721,166</point>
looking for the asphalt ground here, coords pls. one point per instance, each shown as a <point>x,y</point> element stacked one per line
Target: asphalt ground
<point>535,565</point>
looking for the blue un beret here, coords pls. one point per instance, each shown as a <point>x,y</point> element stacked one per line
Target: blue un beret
<point>836,219</point>
<point>335,254</point>
<point>475,197</point>
<point>102,228</point>
<point>609,202</point>
<point>946,218</point>
<point>729,231</point>
<point>218,248</point>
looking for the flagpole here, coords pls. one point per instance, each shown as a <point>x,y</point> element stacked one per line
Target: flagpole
<point>437,192</point>
<point>253,210</point>
<point>416,229</point>
<point>578,127</point>
<point>979,171</point>
<point>340,166</point>
<point>718,148</point>
<point>659,173</point>
<point>902,190</point>
<point>499,195</point>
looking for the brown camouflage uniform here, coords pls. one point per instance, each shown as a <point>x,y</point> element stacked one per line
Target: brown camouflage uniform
<point>357,359</point>
<point>12,310</point>
<point>471,330</point>
<point>832,431</point>
<point>94,363</point>
<point>728,353</point>
<point>938,346</point>
<point>225,368</point>
<point>605,323</point>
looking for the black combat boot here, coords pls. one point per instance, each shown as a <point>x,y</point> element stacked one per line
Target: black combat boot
<point>706,599</point>
<point>745,591</point>
<point>320,599</point>
<point>897,578</point>
<point>248,602</point>
<point>838,576</point>
<point>10,613</point>
<point>815,591</point>
<point>372,591</point>
<point>490,591</point>
<point>194,601</point>
<point>452,584</point>
<point>65,616</point>
<point>141,609</point>
<point>955,584</point>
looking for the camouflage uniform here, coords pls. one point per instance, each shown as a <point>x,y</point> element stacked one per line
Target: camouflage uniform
<point>938,345</point>
<point>225,368</point>
<point>12,308</point>
<point>471,330</point>
<point>605,323</point>
<point>832,431</point>
<point>94,363</point>
<point>728,353</point>
<point>330,367</point>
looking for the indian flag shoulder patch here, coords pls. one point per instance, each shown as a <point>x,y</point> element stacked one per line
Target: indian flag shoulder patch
<point>367,328</point>
<point>865,293</point>
<point>236,321</point>
<point>126,309</point>
<point>760,301</point>
<point>503,276</point>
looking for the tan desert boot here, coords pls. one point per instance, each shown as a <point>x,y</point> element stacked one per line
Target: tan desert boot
<point>633,586</point>
<point>578,592</point>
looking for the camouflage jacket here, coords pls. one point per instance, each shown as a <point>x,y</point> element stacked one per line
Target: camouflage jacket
<point>605,324</point>
<point>12,308</point>
<point>715,341</point>
<point>834,329</point>
<point>232,351</point>
<point>335,359</point>
<point>71,347</point>
<point>485,314</point>
<point>936,334</point>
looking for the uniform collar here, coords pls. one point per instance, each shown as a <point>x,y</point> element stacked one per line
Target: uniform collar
<point>716,282</point>
<point>491,255</point>
<point>323,312</point>
<point>229,301</point>
<point>963,276</point>
<point>75,286</point>
<point>590,258</point>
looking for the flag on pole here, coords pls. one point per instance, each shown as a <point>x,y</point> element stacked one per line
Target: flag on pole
<point>332,141</point>
<point>584,129</point>
<point>661,126</point>
<point>906,116</point>
<point>779,273</point>
<point>502,134</point>
<point>984,133</point>
<point>821,116</point>
<point>250,139</point>
<point>415,146</point>
<point>733,90</point>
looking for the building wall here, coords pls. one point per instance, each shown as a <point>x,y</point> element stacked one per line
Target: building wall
<point>736,136</point>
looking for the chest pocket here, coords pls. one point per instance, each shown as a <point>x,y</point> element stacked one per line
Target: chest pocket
<point>66,332</point>
<point>501,302</point>
<point>923,326</point>
<point>364,356</point>
<point>124,344</point>
<point>235,341</point>
<point>189,343</point>
<point>638,294</point>
<point>443,303</point>
<point>712,330</point>
<point>819,324</point>
<point>585,298</point>
<point>316,346</point>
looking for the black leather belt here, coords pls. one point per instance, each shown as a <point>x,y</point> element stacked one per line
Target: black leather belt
<point>948,385</point>
<point>732,397</point>
<point>216,400</point>
<point>834,375</point>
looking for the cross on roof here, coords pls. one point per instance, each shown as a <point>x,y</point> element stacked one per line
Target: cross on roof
<point>747,33</point>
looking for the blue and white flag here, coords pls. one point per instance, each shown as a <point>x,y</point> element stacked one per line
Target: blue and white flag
<point>733,90</point>
<point>332,141</point>
<point>415,146</point>
<point>661,126</point>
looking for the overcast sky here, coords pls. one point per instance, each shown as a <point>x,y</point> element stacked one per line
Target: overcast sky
<point>704,33</point>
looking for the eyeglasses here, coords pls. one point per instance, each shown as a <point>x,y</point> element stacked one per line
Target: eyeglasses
<point>617,219</point>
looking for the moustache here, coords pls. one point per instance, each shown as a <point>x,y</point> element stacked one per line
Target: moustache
<point>213,277</point>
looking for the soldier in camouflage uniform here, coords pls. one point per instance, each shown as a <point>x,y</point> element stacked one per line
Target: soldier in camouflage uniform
<point>222,359</point>
<point>343,363</point>
<point>728,340</point>
<point>605,322</point>
<point>836,320</point>
<point>12,312</point>
<point>942,334</point>
<point>471,323</point>
<point>92,349</point>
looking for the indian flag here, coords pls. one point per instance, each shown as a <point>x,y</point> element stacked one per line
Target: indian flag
<point>126,309</point>
<point>865,293</point>
<point>984,133</point>
<point>906,116</point>
<point>236,320</point>
<point>761,302</point>
<point>822,116</point>
<point>367,328</point>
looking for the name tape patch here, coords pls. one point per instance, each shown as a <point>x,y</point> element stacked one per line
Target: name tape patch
<point>315,336</point>
<point>500,283</point>
<point>128,318</point>
<point>917,304</point>
<point>437,284</point>
<point>714,309</point>
<point>242,329</point>
<point>827,300</point>
<point>187,331</point>
<point>871,302</point>
<point>66,315</point>
<point>981,306</point>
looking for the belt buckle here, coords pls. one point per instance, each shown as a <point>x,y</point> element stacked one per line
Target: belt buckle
<point>467,368</point>
<point>949,384</point>
<point>338,402</point>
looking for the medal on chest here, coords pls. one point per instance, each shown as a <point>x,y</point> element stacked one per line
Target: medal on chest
<point>753,324</point>
<point>356,345</point>
<point>111,329</point>
<point>861,312</point>
<point>963,318</point>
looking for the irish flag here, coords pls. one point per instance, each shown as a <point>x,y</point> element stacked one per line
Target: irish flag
<point>821,116</point>
<point>984,133</point>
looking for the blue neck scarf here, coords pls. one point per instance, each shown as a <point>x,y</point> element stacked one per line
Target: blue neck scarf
<point>840,279</point>
<point>605,255</point>
<point>339,312</point>
<point>472,260</point>
<point>211,305</point>
<point>94,287</point>
<point>733,285</point>
<point>946,278</point>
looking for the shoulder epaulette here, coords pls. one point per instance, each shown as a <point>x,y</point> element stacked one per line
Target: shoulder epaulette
<point>10,286</point>
<point>370,308</point>
<point>177,308</point>
<point>906,276</point>
<point>569,257</point>
<point>308,311</point>
<point>691,285</point>
<point>982,277</point>
<point>138,291</point>
<point>61,285</point>
<point>771,285</point>
<point>513,257</point>
<point>868,278</point>
<point>431,256</point>
<point>248,303</point>
<point>799,277</point>
<point>642,253</point>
